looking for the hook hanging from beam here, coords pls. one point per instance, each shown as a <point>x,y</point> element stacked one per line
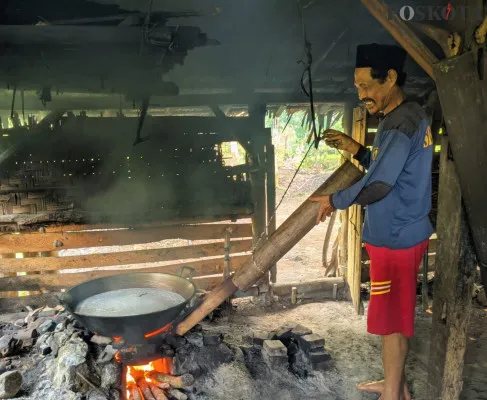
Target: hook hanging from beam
<point>143,114</point>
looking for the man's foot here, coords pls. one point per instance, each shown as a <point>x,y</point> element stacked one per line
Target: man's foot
<point>378,387</point>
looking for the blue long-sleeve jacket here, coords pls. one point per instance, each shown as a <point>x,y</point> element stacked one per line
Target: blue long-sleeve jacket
<point>396,189</point>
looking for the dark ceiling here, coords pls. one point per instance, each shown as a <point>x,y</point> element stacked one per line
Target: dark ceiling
<point>260,44</point>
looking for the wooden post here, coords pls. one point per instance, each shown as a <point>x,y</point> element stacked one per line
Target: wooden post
<point>343,238</point>
<point>355,220</point>
<point>454,277</point>
<point>258,177</point>
<point>271,195</point>
<point>274,248</point>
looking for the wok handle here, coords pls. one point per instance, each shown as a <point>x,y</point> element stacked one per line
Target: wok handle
<point>188,268</point>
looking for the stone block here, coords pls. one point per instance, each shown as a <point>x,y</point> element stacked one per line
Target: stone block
<point>318,356</point>
<point>275,348</point>
<point>10,383</point>
<point>101,340</point>
<point>300,330</point>
<point>309,342</point>
<point>259,338</point>
<point>195,338</point>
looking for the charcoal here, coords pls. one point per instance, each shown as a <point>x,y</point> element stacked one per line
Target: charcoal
<point>47,313</point>
<point>47,326</point>
<point>37,323</point>
<point>195,339</point>
<point>212,339</point>
<point>101,340</point>
<point>27,344</point>
<point>26,334</point>
<point>9,345</point>
<point>20,323</point>
<point>106,355</point>
<point>176,342</point>
<point>10,383</point>
<point>45,349</point>
<point>115,394</point>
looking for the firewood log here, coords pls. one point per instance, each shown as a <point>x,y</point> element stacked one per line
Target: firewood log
<point>177,394</point>
<point>135,393</point>
<point>144,386</point>
<point>158,393</point>
<point>175,381</point>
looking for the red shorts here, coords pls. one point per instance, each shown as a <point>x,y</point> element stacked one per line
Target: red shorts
<point>393,275</point>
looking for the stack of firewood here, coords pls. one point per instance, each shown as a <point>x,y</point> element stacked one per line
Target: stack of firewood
<point>158,386</point>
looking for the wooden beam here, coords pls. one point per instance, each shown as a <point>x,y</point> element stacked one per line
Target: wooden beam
<point>31,264</point>
<point>403,35</point>
<point>454,278</point>
<point>324,286</point>
<point>39,242</point>
<point>465,113</point>
<point>56,282</point>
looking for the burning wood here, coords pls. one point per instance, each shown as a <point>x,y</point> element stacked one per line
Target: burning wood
<point>146,391</point>
<point>134,393</point>
<point>158,393</point>
<point>175,381</point>
<point>177,394</point>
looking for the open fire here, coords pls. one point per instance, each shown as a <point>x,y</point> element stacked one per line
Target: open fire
<point>149,381</point>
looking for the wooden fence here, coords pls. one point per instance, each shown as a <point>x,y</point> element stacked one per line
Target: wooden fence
<point>31,265</point>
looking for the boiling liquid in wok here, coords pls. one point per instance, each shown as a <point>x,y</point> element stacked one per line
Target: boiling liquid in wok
<point>128,302</point>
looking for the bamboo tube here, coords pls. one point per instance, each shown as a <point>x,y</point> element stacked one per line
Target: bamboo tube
<point>269,251</point>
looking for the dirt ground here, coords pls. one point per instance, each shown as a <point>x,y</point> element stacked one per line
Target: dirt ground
<point>355,353</point>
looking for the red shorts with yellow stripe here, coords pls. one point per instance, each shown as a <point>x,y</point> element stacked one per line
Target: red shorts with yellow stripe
<point>393,275</point>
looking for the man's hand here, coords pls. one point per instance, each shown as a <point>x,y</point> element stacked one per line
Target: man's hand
<point>339,140</point>
<point>325,210</point>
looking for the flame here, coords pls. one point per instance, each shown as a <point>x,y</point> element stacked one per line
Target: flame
<point>159,331</point>
<point>135,372</point>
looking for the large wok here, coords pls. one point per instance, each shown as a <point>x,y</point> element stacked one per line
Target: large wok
<point>133,329</point>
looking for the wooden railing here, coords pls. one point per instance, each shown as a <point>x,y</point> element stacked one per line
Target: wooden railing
<point>31,265</point>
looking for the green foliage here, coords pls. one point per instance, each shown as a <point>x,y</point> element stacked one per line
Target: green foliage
<point>289,139</point>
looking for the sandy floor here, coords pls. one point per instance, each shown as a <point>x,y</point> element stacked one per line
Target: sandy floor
<point>356,354</point>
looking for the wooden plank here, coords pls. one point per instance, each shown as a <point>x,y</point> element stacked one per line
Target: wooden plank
<point>454,278</point>
<point>355,221</point>
<point>324,286</point>
<point>403,34</point>
<point>55,282</point>
<point>34,242</point>
<point>121,258</point>
<point>465,113</point>
<point>271,198</point>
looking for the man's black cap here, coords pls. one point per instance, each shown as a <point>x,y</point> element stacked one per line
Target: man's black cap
<point>380,57</point>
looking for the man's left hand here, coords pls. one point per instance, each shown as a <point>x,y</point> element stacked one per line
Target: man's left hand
<point>325,210</point>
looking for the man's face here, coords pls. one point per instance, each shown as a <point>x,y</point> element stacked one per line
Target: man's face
<point>375,95</point>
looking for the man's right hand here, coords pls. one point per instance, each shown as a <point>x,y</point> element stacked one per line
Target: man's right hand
<point>341,141</point>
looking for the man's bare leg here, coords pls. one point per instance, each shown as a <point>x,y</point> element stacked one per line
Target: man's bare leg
<point>394,351</point>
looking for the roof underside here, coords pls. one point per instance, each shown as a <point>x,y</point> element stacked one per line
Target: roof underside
<point>260,44</point>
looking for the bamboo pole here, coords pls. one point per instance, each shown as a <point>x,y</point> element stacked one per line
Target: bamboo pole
<point>275,247</point>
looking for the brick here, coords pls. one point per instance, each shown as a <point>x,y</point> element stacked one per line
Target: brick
<point>260,337</point>
<point>313,341</point>
<point>274,362</point>
<point>321,366</point>
<point>284,332</point>
<point>318,356</point>
<point>275,348</point>
<point>300,330</point>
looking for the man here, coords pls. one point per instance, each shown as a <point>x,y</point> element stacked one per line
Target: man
<point>396,191</point>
